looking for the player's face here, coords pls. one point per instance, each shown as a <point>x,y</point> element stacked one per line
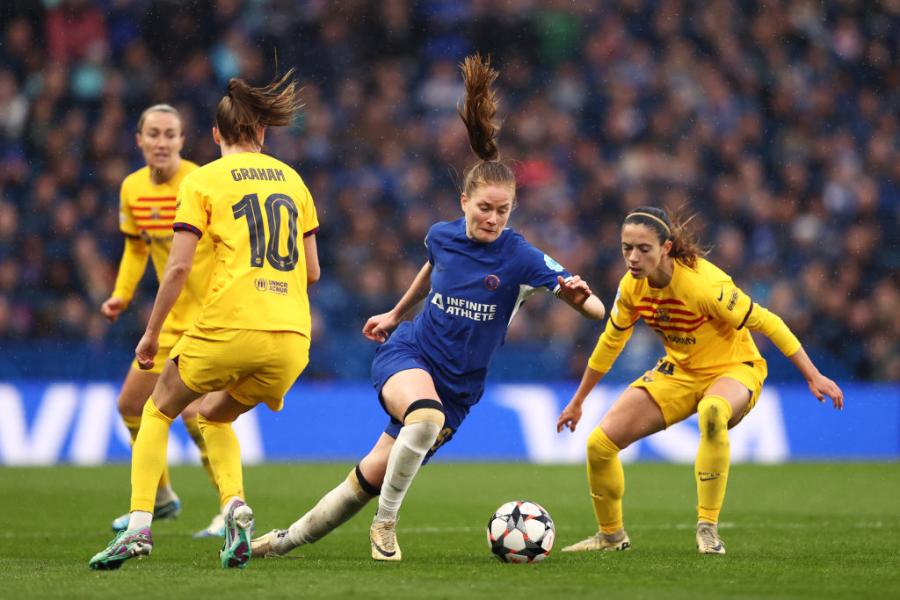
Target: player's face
<point>642,250</point>
<point>487,212</point>
<point>161,139</point>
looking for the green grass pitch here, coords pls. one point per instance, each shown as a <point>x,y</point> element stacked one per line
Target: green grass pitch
<point>795,531</point>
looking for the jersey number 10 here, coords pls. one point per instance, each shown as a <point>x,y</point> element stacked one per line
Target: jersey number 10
<point>249,207</point>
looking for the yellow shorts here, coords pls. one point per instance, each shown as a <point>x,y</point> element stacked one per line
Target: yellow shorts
<point>255,367</point>
<point>167,340</point>
<point>678,392</point>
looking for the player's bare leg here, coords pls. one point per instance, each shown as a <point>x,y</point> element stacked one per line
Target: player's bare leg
<point>633,416</point>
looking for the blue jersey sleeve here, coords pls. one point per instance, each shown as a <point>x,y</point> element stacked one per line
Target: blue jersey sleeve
<point>429,243</point>
<point>540,270</point>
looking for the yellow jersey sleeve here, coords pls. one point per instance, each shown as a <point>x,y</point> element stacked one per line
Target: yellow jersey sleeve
<point>732,305</point>
<point>191,209</point>
<point>127,224</point>
<point>724,301</point>
<point>309,220</point>
<point>131,268</point>
<point>619,328</point>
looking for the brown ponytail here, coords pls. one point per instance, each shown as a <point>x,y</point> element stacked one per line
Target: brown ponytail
<point>245,109</point>
<point>477,112</point>
<point>685,246</point>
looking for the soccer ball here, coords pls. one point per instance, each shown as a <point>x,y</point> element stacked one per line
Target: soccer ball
<point>521,531</point>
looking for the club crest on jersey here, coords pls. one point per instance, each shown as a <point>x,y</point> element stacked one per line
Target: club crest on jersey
<point>491,282</point>
<point>552,264</point>
<point>662,315</point>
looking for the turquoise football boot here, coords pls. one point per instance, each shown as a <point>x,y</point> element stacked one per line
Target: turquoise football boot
<point>126,544</point>
<point>235,553</point>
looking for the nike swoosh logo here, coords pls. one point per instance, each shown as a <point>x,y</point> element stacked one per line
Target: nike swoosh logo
<point>708,477</point>
<point>381,551</point>
<point>721,293</point>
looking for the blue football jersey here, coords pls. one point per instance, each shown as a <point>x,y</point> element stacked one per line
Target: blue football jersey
<point>476,289</point>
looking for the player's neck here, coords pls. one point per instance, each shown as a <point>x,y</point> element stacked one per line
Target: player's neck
<point>158,176</point>
<point>662,276</point>
<point>238,148</point>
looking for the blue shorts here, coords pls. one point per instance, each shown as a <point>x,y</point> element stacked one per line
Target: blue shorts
<point>400,353</point>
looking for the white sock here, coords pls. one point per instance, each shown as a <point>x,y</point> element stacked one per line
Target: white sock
<point>139,519</point>
<point>165,495</point>
<point>413,442</point>
<point>335,508</point>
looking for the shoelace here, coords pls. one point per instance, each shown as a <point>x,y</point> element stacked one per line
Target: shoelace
<point>709,536</point>
<point>385,539</point>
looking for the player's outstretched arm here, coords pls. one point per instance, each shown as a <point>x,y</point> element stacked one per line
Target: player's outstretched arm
<point>819,385</point>
<point>181,257</point>
<point>378,327</point>
<point>576,293</point>
<point>571,414</point>
<point>773,327</point>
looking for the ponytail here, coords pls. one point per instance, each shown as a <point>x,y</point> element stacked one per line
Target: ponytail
<point>477,111</point>
<point>245,109</point>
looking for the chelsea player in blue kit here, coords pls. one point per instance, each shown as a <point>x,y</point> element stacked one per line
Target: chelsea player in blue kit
<point>431,371</point>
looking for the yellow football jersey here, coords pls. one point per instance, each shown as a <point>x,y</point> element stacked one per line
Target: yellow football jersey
<point>146,211</point>
<point>256,210</point>
<point>701,316</point>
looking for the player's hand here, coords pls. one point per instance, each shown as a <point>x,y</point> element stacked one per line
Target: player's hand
<point>146,351</point>
<point>112,307</point>
<point>821,386</point>
<point>378,327</point>
<point>569,417</point>
<point>575,291</point>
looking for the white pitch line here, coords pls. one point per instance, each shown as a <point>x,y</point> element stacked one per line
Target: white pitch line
<point>659,527</point>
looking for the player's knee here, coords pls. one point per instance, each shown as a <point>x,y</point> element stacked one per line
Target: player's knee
<point>713,414</point>
<point>363,487</point>
<point>599,447</point>
<point>425,411</point>
<point>130,406</point>
<point>422,423</point>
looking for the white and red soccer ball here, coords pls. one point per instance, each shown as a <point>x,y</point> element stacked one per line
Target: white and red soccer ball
<point>521,531</point>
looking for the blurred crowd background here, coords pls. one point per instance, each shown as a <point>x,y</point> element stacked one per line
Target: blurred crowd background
<point>775,121</point>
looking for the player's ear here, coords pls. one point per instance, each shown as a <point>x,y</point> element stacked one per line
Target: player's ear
<point>216,137</point>
<point>667,247</point>
<point>462,201</point>
<point>261,136</point>
<point>137,139</point>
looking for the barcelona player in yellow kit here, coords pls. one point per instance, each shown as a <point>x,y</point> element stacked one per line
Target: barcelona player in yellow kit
<point>146,212</point>
<point>711,367</point>
<point>251,339</point>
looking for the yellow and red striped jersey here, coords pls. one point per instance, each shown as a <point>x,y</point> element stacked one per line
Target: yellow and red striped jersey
<point>146,212</point>
<point>702,318</point>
